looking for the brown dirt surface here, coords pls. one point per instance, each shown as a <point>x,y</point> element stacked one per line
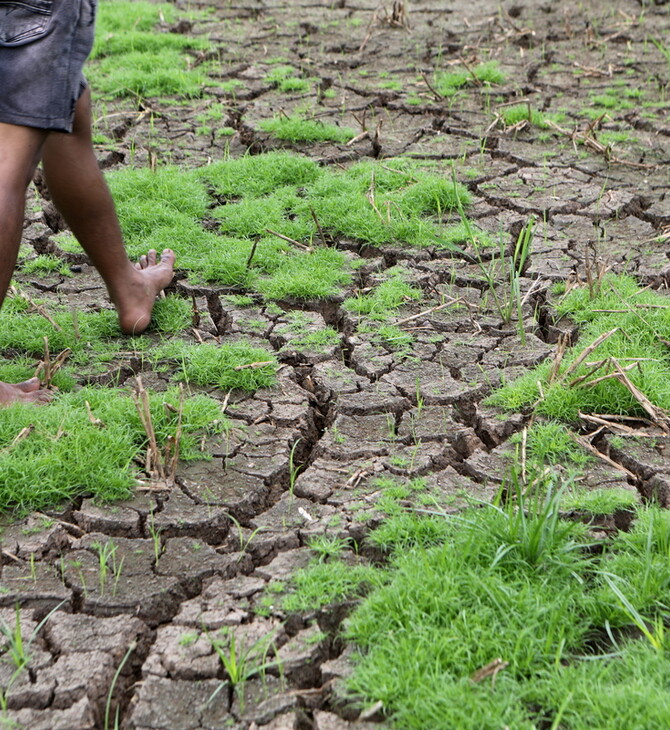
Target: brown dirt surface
<point>304,456</point>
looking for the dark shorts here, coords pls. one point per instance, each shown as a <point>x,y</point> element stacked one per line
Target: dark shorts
<point>43,47</point>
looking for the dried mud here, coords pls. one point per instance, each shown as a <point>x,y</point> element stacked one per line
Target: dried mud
<point>352,411</point>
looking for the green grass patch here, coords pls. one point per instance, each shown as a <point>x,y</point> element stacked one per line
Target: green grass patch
<point>258,175</point>
<point>172,315</point>
<point>514,591</point>
<point>385,298</point>
<point>641,320</point>
<point>62,454</point>
<point>130,58</point>
<point>298,129</point>
<point>447,83</point>
<point>286,79</point>
<point>90,336</point>
<point>396,201</point>
<point>600,501</point>
<point>45,264</point>
<point>323,583</point>
<point>553,443</point>
<point>512,115</point>
<point>223,366</point>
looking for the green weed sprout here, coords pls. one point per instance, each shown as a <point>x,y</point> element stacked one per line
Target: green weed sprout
<point>241,663</point>
<point>654,633</point>
<point>326,547</point>
<point>108,704</point>
<point>18,651</point>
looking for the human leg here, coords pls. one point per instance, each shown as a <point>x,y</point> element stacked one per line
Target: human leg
<point>19,153</point>
<point>80,193</point>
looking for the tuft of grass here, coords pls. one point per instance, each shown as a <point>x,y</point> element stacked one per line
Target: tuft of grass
<point>146,75</point>
<point>552,443</point>
<point>315,275</point>
<point>298,129</point>
<point>386,297</point>
<point>322,583</point>
<point>232,366</point>
<point>447,83</point>
<point>259,175</point>
<point>172,315</point>
<point>600,501</point>
<point>512,115</point>
<point>326,547</point>
<point>389,336</point>
<point>45,264</point>
<point>286,79</point>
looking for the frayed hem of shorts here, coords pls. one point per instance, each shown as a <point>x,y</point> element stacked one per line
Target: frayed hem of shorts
<point>48,125</point>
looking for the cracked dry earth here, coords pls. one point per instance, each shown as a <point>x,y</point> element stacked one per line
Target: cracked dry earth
<point>346,413</point>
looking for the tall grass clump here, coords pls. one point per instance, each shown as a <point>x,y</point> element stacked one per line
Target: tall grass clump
<point>507,616</point>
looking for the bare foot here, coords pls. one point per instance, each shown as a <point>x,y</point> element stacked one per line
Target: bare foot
<point>27,392</point>
<point>136,302</point>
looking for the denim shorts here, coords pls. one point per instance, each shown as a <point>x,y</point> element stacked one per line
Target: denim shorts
<point>43,47</point>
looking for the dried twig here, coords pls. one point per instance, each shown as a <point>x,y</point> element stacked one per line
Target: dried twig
<point>610,424</point>
<point>318,225</point>
<point>161,468</point>
<point>427,311</point>
<point>250,258</point>
<point>561,348</point>
<point>657,415</point>
<point>593,144</point>
<point>174,442</point>
<point>47,368</point>
<point>363,135</point>
<point>20,436</point>
<point>42,311</point>
<point>92,419</point>
<point>253,365</point>
<point>586,444</point>
<point>490,670</point>
<point>587,351</point>
<point>434,92</point>
<point>289,240</point>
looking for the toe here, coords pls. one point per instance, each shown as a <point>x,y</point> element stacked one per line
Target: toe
<point>151,257</point>
<point>168,256</point>
<point>143,262</point>
<point>28,386</point>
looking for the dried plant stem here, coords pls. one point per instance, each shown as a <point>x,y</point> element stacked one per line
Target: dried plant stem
<point>427,311</point>
<point>587,351</point>
<point>289,240</point>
